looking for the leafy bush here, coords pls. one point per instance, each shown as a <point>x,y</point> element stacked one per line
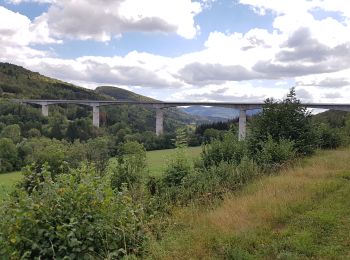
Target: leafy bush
<point>328,138</point>
<point>209,184</point>
<point>288,120</point>
<point>12,132</point>
<point>129,167</point>
<point>39,151</point>
<point>274,153</point>
<point>228,150</point>
<point>98,151</point>
<point>76,216</point>
<point>8,155</point>
<point>178,168</point>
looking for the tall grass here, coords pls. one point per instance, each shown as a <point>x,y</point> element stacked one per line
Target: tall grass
<point>261,213</point>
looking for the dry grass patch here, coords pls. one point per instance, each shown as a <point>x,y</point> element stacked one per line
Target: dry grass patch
<point>268,203</point>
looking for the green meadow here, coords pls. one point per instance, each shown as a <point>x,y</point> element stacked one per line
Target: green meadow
<point>156,162</point>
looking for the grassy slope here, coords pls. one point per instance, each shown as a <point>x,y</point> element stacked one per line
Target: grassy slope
<point>302,213</point>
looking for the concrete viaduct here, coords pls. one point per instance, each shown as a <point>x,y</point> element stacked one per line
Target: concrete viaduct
<point>160,106</point>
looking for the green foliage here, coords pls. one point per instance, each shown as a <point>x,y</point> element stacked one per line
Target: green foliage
<point>70,122</point>
<point>229,149</point>
<point>129,168</point>
<point>274,153</point>
<point>57,125</point>
<point>287,120</point>
<point>211,134</point>
<point>76,216</point>
<point>205,185</point>
<point>32,133</point>
<point>328,138</point>
<point>98,151</point>
<point>12,132</point>
<point>178,168</point>
<point>81,129</point>
<point>8,155</point>
<point>39,151</point>
<point>181,137</point>
<point>22,83</point>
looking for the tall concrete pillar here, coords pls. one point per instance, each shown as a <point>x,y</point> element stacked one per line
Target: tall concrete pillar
<point>45,110</point>
<point>242,124</point>
<point>159,121</point>
<point>96,115</point>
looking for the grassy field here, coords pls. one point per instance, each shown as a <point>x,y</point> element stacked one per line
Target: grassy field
<point>7,181</point>
<point>156,161</point>
<point>302,213</point>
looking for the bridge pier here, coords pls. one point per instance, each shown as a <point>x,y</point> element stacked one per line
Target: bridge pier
<point>159,121</point>
<point>45,110</point>
<point>242,124</point>
<point>96,115</point>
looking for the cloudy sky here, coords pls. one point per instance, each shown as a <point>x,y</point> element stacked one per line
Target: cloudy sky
<point>213,50</point>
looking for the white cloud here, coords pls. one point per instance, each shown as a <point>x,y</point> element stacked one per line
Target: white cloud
<point>103,20</point>
<point>251,65</point>
<point>18,33</point>
<point>17,29</point>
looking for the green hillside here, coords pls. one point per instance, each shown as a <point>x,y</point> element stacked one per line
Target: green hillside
<point>173,116</point>
<point>18,82</point>
<point>332,117</point>
<point>71,122</point>
<point>121,94</point>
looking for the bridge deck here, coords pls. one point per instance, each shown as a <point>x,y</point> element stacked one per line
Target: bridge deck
<point>164,104</point>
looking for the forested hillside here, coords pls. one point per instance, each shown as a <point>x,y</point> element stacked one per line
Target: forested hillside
<point>121,94</point>
<point>72,122</point>
<point>18,82</point>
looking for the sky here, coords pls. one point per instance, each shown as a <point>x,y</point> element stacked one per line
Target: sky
<point>186,50</point>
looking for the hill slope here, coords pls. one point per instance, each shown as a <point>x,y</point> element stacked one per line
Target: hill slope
<point>121,94</point>
<point>18,82</point>
<point>173,114</point>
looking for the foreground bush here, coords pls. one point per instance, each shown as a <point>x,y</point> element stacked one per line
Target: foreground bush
<point>129,168</point>
<point>274,154</point>
<point>76,216</point>
<point>183,185</point>
<point>287,119</point>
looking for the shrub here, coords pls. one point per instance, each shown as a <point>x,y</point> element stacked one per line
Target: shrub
<point>33,132</point>
<point>288,120</point>
<point>228,150</point>
<point>12,132</point>
<point>76,216</point>
<point>8,155</point>
<point>209,184</point>
<point>97,151</point>
<point>274,153</point>
<point>211,134</point>
<point>129,167</point>
<point>39,151</point>
<point>328,138</point>
<point>177,169</point>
